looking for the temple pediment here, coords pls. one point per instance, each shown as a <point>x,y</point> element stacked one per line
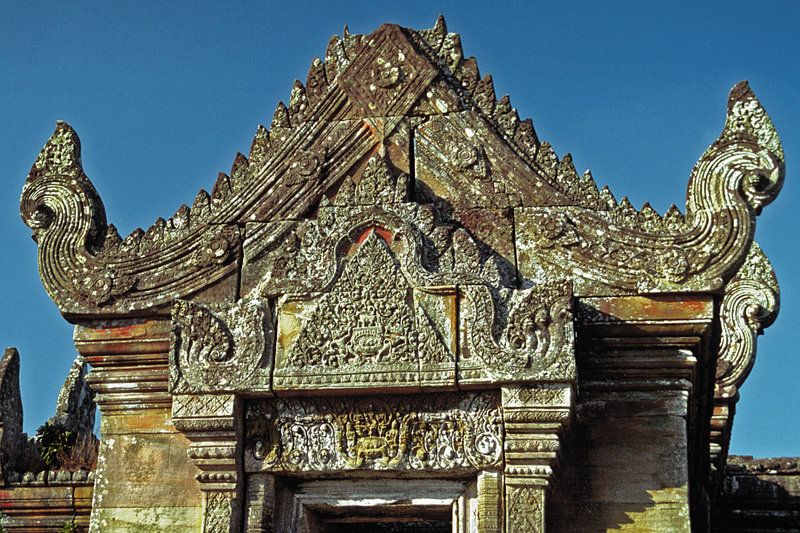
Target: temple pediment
<point>401,278</point>
<point>406,104</point>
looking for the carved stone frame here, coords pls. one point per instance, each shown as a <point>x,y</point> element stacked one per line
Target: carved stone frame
<point>508,497</point>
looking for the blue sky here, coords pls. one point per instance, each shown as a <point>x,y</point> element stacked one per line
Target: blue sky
<point>163,95</point>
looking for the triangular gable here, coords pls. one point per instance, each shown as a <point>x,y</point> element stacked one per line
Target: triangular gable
<point>410,103</point>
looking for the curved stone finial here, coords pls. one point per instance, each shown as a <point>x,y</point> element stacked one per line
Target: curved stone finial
<point>57,189</point>
<point>643,252</point>
<point>746,161</point>
<point>63,209</point>
<point>84,265</point>
<point>750,304</point>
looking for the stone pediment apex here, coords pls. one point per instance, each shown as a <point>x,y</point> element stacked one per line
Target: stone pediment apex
<point>398,124</point>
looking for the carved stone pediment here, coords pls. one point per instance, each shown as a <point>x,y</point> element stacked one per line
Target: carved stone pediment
<point>401,117</point>
<point>387,281</point>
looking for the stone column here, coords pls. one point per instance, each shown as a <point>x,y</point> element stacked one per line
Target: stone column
<point>534,417</point>
<point>143,480</point>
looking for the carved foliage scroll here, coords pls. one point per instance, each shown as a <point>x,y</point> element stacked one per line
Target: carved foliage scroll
<point>516,335</point>
<point>750,304</point>
<point>448,431</point>
<point>221,348</point>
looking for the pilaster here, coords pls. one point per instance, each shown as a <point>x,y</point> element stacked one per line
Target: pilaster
<point>535,415</point>
<point>213,425</point>
<point>143,478</point>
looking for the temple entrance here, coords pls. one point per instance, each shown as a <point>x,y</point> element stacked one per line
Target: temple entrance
<point>380,505</point>
<point>392,527</point>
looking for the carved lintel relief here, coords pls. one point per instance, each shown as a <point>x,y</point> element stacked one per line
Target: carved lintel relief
<point>451,432</point>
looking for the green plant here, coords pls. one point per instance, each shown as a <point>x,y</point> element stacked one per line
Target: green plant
<point>54,442</point>
<point>69,527</point>
<point>82,454</point>
<point>3,520</point>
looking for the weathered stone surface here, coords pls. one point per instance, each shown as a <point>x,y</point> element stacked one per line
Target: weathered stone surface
<point>536,339</point>
<point>11,438</point>
<point>76,408</point>
<point>760,494</point>
<point>144,481</point>
<point>396,238</point>
<point>46,508</point>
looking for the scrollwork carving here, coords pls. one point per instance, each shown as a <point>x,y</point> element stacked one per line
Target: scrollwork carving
<point>220,348</point>
<point>751,303</point>
<point>535,333</point>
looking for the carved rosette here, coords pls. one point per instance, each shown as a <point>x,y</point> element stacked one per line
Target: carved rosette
<point>447,432</point>
<point>221,348</point>
<point>306,167</point>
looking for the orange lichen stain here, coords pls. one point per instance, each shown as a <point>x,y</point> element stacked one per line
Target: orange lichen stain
<point>670,307</point>
<point>366,126</point>
<point>383,233</point>
<point>124,331</point>
<point>111,331</point>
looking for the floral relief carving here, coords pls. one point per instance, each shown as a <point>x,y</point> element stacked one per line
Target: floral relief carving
<point>448,431</point>
<point>470,159</point>
<point>384,74</point>
<point>220,348</point>
<point>215,250</point>
<point>218,511</point>
<point>100,287</point>
<point>525,512</point>
<point>306,167</point>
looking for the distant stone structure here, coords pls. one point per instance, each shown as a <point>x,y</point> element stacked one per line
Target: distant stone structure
<point>403,312</point>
